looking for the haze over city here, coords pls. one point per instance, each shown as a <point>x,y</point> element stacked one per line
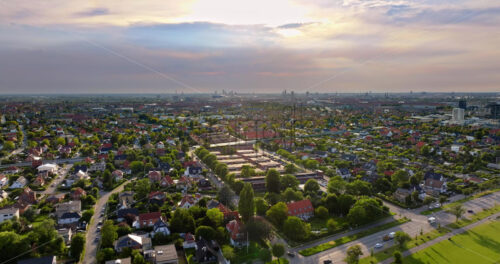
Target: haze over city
<point>62,47</point>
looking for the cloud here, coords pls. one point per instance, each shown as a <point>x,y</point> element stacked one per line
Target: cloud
<point>295,25</point>
<point>98,11</point>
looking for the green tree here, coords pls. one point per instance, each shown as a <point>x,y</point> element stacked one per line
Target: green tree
<point>265,255</point>
<point>225,196</point>
<point>401,238</point>
<point>261,206</point>
<point>108,233</point>
<point>290,168</point>
<point>289,181</point>
<point>9,145</point>
<point>353,254</point>
<point>142,188</point>
<point>357,215</point>
<point>105,254</point>
<point>215,215</point>
<point>398,258</point>
<point>12,245</point>
<point>278,250</point>
<point>292,195</point>
<point>136,166</point>
<point>228,252</point>
<point>77,245</point>
<point>206,232</point>
<point>336,185</point>
<point>277,214</point>
<point>246,204</point>
<point>311,187</point>
<point>331,224</point>
<point>182,221</point>
<point>296,229</point>
<point>321,212</point>
<point>457,211</point>
<point>273,181</point>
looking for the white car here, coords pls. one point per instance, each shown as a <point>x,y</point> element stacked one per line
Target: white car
<point>378,245</point>
<point>392,234</point>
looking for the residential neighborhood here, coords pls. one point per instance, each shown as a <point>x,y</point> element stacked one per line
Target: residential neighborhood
<point>246,180</point>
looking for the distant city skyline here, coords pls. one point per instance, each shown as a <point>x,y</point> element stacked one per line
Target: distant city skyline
<point>259,46</point>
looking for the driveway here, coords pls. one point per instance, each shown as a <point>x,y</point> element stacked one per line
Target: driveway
<point>90,244</point>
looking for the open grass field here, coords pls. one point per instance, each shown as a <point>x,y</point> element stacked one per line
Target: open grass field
<point>478,245</point>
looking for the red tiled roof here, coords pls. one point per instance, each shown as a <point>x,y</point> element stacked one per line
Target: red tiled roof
<point>300,207</point>
<point>149,216</point>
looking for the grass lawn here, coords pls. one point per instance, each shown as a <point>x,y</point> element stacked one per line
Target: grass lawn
<point>478,245</point>
<point>331,244</point>
<point>388,252</point>
<point>253,253</point>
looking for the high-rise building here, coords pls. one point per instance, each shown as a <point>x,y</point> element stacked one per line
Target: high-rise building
<point>494,110</point>
<point>458,115</point>
<point>462,104</point>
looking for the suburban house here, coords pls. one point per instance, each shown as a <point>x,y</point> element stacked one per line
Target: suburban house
<point>237,237</point>
<point>164,254</point>
<point>19,183</point>
<point>101,166</point>
<point>166,181</point>
<point>51,168</point>
<point>66,234</point>
<point>301,209</point>
<point>189,241</point>
<point>133,241</point>
<point>154,176</point>
<point>28,196</point>
<point>434,187</point>
<point>39,181</point>
<point>69,218</point>
<point>40,260</point>
<point>400,194</point>
<point>117,175</point>
<point>4,180</point>
<point>160,227</point>
<point>127,213</point>
<point>193,171</point>
<point>119,261</point>
<point>78,193</point>
<point>8,213</point>
<point>12,170</point>
<point>157,198</point>
<point>68,207</point>
<point>147,219</point>
<point>206,252</point>
<point>188,201</point>
<point>126,198</point>
<point>343,172</point>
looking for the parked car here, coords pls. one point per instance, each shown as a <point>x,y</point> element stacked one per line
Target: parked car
<point>378,245</point>
<point>431,220</point>
<point>327,261</point>
<point>291,254</point>
<point>470,211</point>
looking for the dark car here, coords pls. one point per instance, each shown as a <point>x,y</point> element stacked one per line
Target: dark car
<point>327,261</point>
<point>291,254</point>
<point>470,211</point>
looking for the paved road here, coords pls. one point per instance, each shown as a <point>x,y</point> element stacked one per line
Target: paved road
<point>90,244</point>
<point>58,161</point>
<point>418,223</point>
<point>439,239</point>
<point>62,175</point>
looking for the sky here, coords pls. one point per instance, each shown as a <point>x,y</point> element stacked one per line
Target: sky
<point>261,46</point>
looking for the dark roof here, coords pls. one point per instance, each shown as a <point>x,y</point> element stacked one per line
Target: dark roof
<point>42,260</point>
<point>123,212</point>
<point>70,215</point>
<point>433,175</point>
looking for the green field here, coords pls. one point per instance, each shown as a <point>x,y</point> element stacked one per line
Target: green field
<point>478,245</point>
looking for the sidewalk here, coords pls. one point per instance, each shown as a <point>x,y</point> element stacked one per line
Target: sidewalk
<point>439,239</point>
